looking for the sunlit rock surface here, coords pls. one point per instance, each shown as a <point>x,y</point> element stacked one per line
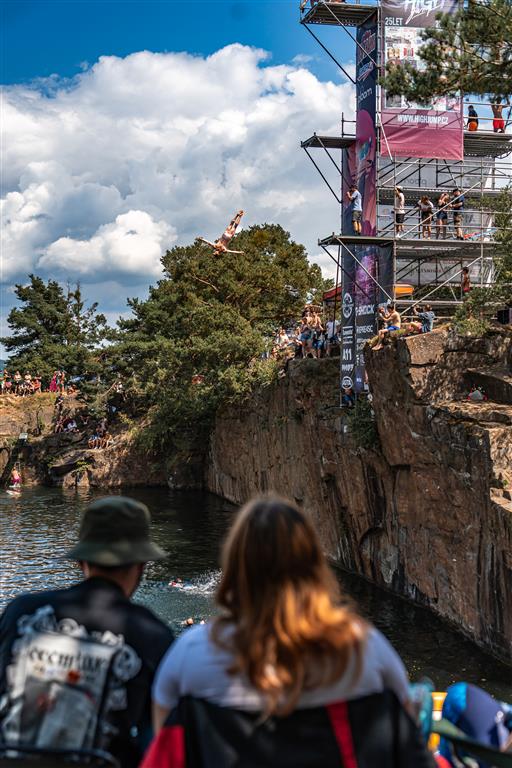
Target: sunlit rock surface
<point>427,512</point>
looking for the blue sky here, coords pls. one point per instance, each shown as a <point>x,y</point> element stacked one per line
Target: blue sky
<point>129,127</point>
<point>42,37</point>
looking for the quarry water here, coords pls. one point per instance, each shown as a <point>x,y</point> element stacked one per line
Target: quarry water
<point>36,530</point>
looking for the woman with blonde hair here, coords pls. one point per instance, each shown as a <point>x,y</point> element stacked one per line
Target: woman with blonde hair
<point>283,645</point>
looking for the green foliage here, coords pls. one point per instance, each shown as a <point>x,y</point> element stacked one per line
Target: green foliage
<point>53,329</point>
<point>475,315</point>
<point>361,424</point>
<point>209,317</point>
<point>468,51</point>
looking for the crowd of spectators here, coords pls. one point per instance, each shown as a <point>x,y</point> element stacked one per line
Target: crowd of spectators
<point>314,336</point>
<point>446,202</point>
<point>286,668</point>
<point>22,385</point>
<point>94,431</point>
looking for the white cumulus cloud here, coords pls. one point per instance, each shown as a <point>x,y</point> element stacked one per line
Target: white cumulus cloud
<point>102,173</point>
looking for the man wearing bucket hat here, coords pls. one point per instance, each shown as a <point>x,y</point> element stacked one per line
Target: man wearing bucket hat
<point>80,661</point>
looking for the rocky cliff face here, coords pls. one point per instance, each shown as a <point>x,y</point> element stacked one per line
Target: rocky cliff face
<point>426,512</point>
<point>64,459</point>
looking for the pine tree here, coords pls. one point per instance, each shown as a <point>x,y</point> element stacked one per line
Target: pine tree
<point>212,317</point>
<point>469,52</point>
<point>53,329</point>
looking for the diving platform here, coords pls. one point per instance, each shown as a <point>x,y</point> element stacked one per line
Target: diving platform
<point>344,14</point>
<point>328,142</point>
<point>415,248</point>
<point>476,143</point>
<point>487,144</point>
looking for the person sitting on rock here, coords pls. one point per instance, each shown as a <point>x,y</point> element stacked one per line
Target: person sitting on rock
<point>426,316</point>
<point>393,322</point>
<point>59,426</point>
<point>93,442</point>
<point>106,440</point>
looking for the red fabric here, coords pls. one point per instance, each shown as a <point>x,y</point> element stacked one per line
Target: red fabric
<point>167,750</point>
<point>338,715</point>
<point>498,124</point>
<point>442,762</point>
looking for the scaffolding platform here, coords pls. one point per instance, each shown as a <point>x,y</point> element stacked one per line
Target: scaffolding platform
<point>476,143</point>
<point>415,248</point>
<point>487,144</point>
<point>435,303</point>
<point>328,142</point>
<point>387,193</point>
<point>336,13</point>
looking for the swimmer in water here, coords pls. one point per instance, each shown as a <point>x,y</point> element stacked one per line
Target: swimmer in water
<point>15,480</point>
<point>176,583</point>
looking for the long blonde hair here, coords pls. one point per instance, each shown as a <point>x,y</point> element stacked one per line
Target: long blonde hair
<point>288,629</point>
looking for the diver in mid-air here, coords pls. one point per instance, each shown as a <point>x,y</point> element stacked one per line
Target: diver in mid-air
<point>221,245</point>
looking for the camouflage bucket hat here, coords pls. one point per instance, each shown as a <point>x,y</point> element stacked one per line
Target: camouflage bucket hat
<point>115,531</point>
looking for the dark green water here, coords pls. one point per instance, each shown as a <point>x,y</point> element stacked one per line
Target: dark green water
<point>36,530</point>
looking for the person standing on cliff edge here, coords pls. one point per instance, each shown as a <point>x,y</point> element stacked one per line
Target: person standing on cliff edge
<point>77,664</point>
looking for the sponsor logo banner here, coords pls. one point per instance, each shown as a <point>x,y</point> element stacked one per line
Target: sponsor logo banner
<point>433,130</point>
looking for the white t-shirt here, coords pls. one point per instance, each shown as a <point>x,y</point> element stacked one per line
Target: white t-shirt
<point>195,666</point>
<point>332,328</point>
<point>399,202</point>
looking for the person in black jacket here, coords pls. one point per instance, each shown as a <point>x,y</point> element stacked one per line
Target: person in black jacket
<point>77,664</point>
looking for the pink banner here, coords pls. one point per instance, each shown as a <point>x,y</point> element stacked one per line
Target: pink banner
<point>434,130</point>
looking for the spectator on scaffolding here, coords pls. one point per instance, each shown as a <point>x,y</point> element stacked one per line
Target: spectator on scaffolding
<point>426,208</point>
<point>472,119</point>
<point>457,205</point>
<point>498,123</point>
<point>354,196</point>
<point>465,282</point>
<point>443,203</point>
<point>426,316</point>
<point>392,321</point>
<point>399,210</point>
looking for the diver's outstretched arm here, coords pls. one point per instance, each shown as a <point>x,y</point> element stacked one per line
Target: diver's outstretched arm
<point>208,242</point>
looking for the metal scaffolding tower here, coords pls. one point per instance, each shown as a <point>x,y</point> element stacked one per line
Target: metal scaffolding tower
<point>432,266</point>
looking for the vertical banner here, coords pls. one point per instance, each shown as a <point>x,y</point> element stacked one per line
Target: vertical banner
<point>360,291</point>
<point>434,130</point>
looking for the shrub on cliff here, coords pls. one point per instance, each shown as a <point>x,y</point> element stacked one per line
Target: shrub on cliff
<point>197,342</point>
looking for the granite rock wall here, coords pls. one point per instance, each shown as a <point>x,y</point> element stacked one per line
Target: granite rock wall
<point>426,512</point>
